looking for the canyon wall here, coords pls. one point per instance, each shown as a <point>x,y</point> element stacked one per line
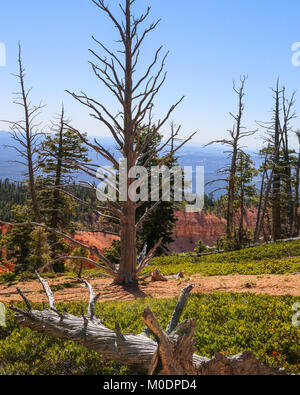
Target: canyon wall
<point>192,227</point>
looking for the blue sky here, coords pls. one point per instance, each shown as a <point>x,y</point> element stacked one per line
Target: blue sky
<point>210,42</point>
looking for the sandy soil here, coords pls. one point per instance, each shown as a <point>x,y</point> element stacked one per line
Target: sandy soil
<point>265,284</point>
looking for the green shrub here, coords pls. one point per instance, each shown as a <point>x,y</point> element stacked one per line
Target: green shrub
<point>200,247</point>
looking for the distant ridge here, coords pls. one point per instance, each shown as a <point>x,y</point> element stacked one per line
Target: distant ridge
<point>192,154</point>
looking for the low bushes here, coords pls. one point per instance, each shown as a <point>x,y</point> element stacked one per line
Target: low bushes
<point>172,265</point>
<point>275,258</point>
<point>229,323</point>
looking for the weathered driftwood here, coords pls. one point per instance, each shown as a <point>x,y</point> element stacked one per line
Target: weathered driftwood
<point>167,352</point>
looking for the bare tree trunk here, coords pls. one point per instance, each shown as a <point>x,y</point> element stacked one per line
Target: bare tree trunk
<point>290,203</point>
<point>231,186</point>
<point>28,137</point>
<point>128,261</point>
<point>232,174</point>
<point>171,353</point>
<point>296,203</point>
<point>276,184</point>
<point>242,212</point>
<point>260,203</point>
<point>136,99</point>
<point>288,116</point>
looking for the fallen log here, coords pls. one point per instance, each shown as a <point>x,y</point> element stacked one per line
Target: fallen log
<point>172,351</point>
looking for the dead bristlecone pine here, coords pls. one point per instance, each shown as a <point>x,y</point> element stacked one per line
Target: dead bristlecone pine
<point>171,353</point>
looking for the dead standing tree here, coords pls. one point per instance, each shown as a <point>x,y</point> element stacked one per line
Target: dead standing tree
<point>136,99</point>
<point>237,133</point>
<point>297,185</point>
<point>262,217</point>
<point>26,134</point>
<point>277,169</point>
<point>288,115</point>
<point>156,351</point>
<point>270,185</point>
<point>276,180</point>
<point>274,140</point>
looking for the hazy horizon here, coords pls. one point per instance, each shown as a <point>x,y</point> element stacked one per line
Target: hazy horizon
<point>210,43</point>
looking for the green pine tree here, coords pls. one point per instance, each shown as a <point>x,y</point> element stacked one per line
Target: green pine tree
<point>39,249</point>
<point>245,192</point>
<point>16,242</point>
<point>162,221</point>
<point>60,157</point>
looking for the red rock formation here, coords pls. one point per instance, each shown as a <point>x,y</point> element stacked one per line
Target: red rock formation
<point>191,227</point>
<point>100,240</point>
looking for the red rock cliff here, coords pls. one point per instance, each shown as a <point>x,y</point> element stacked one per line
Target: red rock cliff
<point>191,227</point>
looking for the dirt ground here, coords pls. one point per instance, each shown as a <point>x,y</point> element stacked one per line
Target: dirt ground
<point>288,284</point>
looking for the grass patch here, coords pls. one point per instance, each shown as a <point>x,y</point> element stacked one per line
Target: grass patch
<point>275,258</point>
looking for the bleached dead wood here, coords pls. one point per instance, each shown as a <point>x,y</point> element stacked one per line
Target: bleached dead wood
<point>172,351</point>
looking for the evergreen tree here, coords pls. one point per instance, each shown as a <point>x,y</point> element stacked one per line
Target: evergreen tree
<point>245,190</point>
<point>113,253</point>
<point>39,249</point>
<point>16,242</point>
<point>60,157</point>
<point>200,247</point>
<point>80,252</point>
<point>161,221</point>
